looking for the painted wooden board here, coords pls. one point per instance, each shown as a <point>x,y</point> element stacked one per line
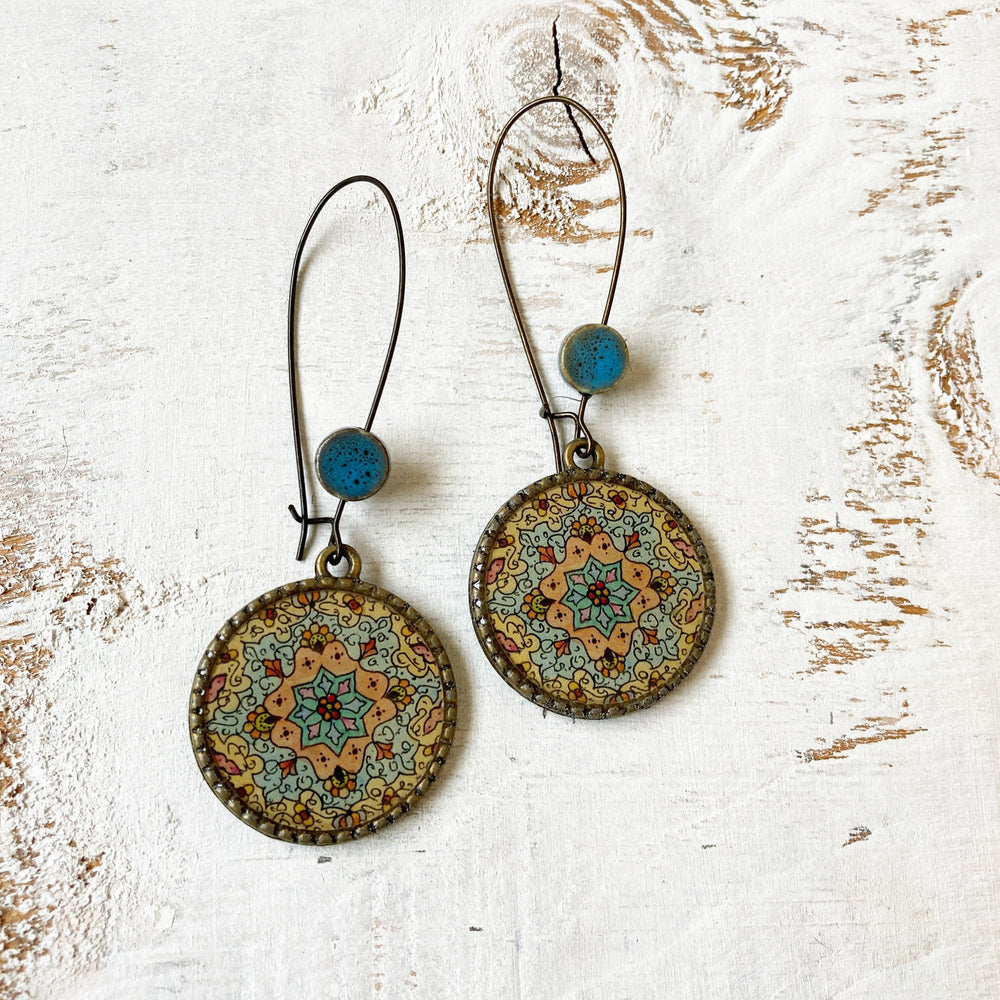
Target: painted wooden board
<point>810,298</point>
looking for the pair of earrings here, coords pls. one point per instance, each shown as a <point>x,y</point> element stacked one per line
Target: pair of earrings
<point>324,709</point>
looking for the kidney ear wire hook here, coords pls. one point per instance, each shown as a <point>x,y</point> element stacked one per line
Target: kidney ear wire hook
<point>581,430</point>
<point>303,519</point>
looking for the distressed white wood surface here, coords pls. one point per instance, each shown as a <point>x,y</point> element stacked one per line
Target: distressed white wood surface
<point>810,297</point>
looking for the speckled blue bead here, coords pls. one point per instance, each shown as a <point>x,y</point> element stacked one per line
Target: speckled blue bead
<point>352,464</point>
<point>593,358</point>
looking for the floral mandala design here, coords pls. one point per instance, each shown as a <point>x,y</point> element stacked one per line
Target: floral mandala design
<point>593,592</point>
<point>598,594</point>
<point>322,711</point>
<point>327,708</point>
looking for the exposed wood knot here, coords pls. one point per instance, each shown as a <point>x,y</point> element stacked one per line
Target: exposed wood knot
<point>737,61</point>
<point>962,406</point>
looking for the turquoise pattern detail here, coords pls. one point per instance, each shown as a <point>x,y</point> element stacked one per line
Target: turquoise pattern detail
<point>329,710</point>
<point>593,358</point>
<point>352,464</point>
<point>322,710</point>
<point>599,596</point>
<point>266,654</point>
<point>596,593</point>
<point>553,662</point>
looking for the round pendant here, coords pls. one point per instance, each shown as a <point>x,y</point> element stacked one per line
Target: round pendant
<point>591,593</point>
<point>323,710</point>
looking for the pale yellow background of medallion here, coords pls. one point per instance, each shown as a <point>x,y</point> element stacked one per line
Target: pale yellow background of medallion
<point>810,298</point>
<point>642,668</point>
<point>347,618</point>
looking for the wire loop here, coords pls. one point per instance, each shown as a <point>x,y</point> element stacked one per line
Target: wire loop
<point>580,429</point>
<point>582,448</point>
<point>330,557</point>
<point>336,549</point>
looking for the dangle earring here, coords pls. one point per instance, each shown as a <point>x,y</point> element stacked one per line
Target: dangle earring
<point>325,708</point>
<point>591,593</point>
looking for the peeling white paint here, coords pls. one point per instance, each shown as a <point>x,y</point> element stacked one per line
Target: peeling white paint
<point>779,302</point>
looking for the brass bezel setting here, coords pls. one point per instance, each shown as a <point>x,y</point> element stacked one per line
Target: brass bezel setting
<point>218,781</point>
<point>499,659</point>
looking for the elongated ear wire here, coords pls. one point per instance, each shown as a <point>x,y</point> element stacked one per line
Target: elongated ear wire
<point>303,518</point>
<point>581,430</point>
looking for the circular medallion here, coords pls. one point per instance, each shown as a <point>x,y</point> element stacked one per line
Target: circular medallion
<point>322,710</point>
<point>591,593</point>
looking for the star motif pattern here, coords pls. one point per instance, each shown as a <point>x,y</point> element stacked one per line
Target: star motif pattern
<point>593,590</point>
<point>326,710</point>
<point>329,710</point>
<point>598,596</point>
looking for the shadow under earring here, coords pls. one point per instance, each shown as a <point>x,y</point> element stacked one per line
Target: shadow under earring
<point>591,593</point>
<point>325,708</point>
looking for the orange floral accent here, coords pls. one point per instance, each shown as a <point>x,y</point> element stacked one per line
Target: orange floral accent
<point>316,638</point>
<point>349,820</point>
<point>664,585</point>
<point>611,664</point>
<point>341,782</point>
<point>259,723</point>
<point>535,605</point>
<point>585,528</point>
<point>401,693</point>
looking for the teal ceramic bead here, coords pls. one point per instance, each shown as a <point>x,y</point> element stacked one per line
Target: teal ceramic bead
<point>593,358</point>
<point>352,464</point>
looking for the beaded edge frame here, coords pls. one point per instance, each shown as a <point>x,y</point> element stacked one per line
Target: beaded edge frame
<point>218,781</point>
<point>498,658</point>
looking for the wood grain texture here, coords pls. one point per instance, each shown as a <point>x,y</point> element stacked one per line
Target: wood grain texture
<point>810,300</point>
